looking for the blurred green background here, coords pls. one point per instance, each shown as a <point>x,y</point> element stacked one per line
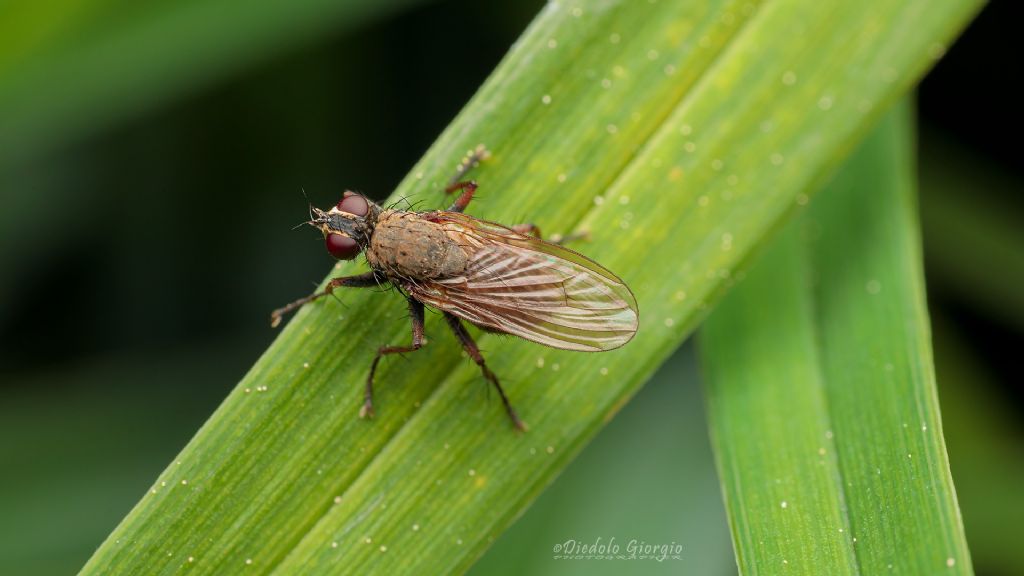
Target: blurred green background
<point>153,159</point>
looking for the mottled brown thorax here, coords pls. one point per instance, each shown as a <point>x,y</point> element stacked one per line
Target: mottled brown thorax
<point>405,245</point>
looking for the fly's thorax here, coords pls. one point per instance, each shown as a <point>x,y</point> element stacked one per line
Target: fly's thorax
<point>405,245</point>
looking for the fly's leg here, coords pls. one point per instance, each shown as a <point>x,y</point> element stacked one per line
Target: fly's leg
<point>532,229</point>
<point>366,280</point>
<point>470,161</point>
<point>471,348</point>
<point>416,314</point>
<point>468,188</point>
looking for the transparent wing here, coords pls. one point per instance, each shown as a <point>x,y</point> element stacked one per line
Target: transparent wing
<point>527,287</point>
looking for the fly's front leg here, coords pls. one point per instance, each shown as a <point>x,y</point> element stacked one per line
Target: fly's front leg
<point>416,314</point>
<point>468,187</point>
<point>533,230</point>
<point>359,281</point>
<point>474,352</point>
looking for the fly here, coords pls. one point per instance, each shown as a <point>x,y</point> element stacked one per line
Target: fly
<point>500,279</point>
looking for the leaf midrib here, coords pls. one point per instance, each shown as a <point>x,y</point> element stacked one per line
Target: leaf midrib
<point>812,302</point>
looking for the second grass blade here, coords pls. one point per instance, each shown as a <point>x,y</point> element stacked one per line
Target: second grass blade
<point>821,389</point>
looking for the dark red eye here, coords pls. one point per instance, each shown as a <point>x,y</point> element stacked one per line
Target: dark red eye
<point>354,204</point>
<point>341,247</point>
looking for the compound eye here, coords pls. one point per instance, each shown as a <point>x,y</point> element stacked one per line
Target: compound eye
<point>341,247</point>
<point>354,204</point>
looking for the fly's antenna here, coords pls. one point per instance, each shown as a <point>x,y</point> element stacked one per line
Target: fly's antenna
<point>310,206</point>
<point>308,203</point>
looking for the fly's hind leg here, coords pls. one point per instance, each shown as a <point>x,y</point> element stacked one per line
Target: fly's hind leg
<point>366,280</point>
<point>416,315</point>
<point>532,230</point>
<point>472,159</point>
<point>474,352</point>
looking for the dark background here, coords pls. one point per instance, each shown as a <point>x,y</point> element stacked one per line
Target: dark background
<point>138,279</point>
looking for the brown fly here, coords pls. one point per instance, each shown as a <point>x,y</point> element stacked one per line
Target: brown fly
<point>501,279</point>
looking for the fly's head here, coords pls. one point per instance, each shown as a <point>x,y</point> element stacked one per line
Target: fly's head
<point>347,226</point>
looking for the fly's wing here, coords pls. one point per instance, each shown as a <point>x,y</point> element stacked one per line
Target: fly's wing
<point>530,288</point>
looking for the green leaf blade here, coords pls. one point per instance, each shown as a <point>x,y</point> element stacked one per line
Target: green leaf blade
<point>821,388</point>
<point>877,351</point>
<point>776,459</point>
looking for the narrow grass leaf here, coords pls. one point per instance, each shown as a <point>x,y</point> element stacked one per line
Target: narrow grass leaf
<point>821,388</point>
